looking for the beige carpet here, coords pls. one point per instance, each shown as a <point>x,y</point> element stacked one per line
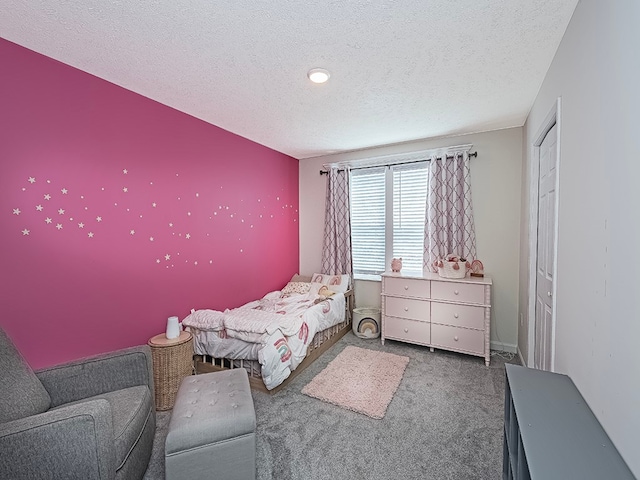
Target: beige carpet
<point>360,380</point>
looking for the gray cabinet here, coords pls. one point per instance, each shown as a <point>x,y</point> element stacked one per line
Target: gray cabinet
<point>551,433</point>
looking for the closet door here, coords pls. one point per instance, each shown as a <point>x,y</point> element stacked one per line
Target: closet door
<point>544,319</point>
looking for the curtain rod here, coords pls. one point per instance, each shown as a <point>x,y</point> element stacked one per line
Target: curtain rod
<point>472,154</point>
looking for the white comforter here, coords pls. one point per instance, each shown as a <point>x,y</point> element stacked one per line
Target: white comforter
<point>275,331</point>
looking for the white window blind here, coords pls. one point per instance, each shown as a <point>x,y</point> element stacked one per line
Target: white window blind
<point>367,199</point>
<point>409,207</point>
<point>387,217</point>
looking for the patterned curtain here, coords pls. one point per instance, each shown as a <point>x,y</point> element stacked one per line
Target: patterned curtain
<point>336,252</point>
<point>449,225</point>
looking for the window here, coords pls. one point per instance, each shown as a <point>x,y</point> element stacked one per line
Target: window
<point>388,206</point>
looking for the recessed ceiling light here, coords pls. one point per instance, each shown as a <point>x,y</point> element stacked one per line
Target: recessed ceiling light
<point>318,75</point>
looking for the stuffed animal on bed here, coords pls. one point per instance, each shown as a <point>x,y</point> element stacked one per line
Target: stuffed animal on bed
<point>323,294</point>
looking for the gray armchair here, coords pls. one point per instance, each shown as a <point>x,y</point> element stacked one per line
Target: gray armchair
<point>89,419</point>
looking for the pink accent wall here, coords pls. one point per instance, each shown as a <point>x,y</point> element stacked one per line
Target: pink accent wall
<point>118,212</point>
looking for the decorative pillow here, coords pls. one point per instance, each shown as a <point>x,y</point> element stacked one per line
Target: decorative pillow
<point>300,278</point>
<point>338,283</point>
<point>295,288</point>
<point>22,394</point>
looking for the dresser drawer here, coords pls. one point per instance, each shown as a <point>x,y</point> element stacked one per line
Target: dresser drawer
<point>458,315</point>
<point>407,308</point>
<point>457,292</point>
<point>455,338</point>
<point>406,330</point>
<point>406,287</point>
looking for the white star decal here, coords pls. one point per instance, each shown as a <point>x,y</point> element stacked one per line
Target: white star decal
<point>167,257</point>
<point>48,220</point>
<point>98,219</point>
<point>187,236</point>
<point>195,263</point>
<point>47,196</point>
<point>189,214</point>
<point>197,194</point>
<point>39,208</point>
<point>32,180</point>
<point>132,232</point>
<point>81,225</point>
<point>171,224</point>
<point>59,226</point>
<point>151,239</point>
<point>25,232</point>
<point>61,211</point>
<point>16,211</point>
<point>125,189</point>
<point>125,171</point>
<point>64,191</point>
<point>154,204</point>
<point>157,260</point>
<point>90,234</point>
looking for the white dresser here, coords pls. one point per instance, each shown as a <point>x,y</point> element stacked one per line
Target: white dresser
<point>437,312</point>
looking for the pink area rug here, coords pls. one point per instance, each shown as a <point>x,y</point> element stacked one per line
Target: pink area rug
<point>360,380</point>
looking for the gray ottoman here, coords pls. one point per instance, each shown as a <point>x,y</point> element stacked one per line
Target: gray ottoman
<point>212,431</point>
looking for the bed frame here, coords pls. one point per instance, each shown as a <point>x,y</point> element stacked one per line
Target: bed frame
<point>321,342</point>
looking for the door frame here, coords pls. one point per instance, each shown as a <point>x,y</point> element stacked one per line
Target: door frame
<point>553,117</point>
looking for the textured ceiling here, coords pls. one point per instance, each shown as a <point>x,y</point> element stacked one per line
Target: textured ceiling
<point>400,70</point>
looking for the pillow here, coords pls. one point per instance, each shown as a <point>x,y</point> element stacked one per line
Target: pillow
<point>295,288</point>
<point>22,394</point>
<point>301,278</point>
<point>338,283</point>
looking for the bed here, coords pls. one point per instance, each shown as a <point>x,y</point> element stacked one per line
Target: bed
<point>276,337</point>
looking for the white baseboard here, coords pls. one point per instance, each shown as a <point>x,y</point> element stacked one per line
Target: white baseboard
<point>522,362</point>
<point>504,347</point>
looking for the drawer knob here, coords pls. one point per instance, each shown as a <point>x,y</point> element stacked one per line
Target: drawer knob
<point>455,338</point>
<point>455,292</point>
<point>406,309</point>
<point>406,330</point>
<point>455,315</point>
<point>406,287</point>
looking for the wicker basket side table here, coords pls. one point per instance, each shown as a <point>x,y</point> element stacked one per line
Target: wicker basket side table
<point>172,361</point>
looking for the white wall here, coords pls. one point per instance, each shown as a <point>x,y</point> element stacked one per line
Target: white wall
<point>496,191</point>
<point>596,72</point>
